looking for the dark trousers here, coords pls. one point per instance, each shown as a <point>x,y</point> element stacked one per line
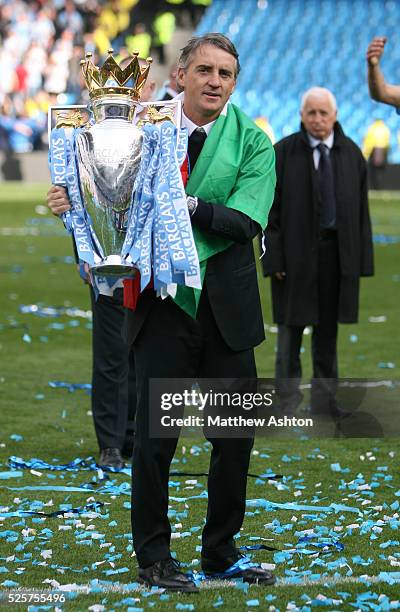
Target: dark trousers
<point>173,345</point>
<point>113,374</point>
<point>377,167</point>
<point>323,344</point>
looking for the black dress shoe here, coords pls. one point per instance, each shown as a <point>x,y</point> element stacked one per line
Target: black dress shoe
<point>166,574</point>
<point>111,458</point>
<point>252,575</point>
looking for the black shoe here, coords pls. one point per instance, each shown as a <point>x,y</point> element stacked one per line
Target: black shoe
<point>166,574</point>
<point>111,458</point>
<point>252,575</point>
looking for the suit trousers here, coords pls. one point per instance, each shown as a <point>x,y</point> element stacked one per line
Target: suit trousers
<point>323,344</point>
<point>113,375</point>
<point>171,344</point>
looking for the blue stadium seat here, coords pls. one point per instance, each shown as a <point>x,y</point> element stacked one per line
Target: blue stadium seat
<point>287,46</point>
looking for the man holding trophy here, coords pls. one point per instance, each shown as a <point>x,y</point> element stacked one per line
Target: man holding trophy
<point>203,320</point>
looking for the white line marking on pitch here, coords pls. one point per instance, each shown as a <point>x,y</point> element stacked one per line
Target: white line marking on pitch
<point>224,584</point>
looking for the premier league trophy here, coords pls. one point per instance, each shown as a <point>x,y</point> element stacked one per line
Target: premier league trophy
<point>109,153</point>
<point>122,178</point>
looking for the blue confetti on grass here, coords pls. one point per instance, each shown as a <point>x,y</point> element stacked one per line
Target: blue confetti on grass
<point>59,384</point>
<point>40,310</point>
<point>219,602</point>
<point>385,239</point>
<point>10,474</point>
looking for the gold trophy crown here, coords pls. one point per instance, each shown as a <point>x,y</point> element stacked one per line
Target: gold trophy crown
<point>111,79</point>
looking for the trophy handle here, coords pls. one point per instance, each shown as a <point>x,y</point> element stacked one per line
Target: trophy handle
<point>69,115</point>
<point>158,111</point>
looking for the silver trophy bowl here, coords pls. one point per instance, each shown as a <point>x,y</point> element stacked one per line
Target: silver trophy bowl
<point>108,157</point>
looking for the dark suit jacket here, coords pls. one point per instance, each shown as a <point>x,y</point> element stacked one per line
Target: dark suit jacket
<point>231,281</point>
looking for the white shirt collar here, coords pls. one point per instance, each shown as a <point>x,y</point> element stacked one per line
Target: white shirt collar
<point>191,127</point>
<point>187,123</point>
<point>314,142</point>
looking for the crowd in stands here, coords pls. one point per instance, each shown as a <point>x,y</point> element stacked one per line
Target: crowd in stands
<point>43,41</point>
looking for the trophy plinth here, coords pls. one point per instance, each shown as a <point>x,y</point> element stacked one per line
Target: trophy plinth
<point>114,265</point>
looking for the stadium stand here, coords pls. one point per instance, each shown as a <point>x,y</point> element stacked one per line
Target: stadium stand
<point>43,41</point>
<point>287,46</point>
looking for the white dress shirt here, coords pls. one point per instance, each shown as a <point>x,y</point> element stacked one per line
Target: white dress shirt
<point>191,127</point>
<point>314,143</point>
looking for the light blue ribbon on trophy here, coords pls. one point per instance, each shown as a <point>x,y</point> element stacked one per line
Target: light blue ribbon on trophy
<point>138,240</point>
<point>64,172</point>
<point>58,160</point>
<point>166,202</point>
<point>85,238</point>
<point>159,217</point>
<point>175,276</point>
<point>164,271</point>
<point>181,146</point>
<point>140,205</point>
<point>162,263</point>
<point>191,275</point>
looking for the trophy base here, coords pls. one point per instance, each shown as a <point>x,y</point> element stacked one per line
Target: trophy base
<point>114,265</point>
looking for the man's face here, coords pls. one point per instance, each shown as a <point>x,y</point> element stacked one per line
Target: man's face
<point>318,116</point>
<point>208,82</point>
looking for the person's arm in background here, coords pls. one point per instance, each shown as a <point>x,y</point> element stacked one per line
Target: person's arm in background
<point>378,88</point>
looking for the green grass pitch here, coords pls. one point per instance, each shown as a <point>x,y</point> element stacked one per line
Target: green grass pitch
<point>56,426</point>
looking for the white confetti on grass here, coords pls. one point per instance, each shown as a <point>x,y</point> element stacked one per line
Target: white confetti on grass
<point>46,554</point>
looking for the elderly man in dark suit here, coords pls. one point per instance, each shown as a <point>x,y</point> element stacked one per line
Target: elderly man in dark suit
<point>318,244</point>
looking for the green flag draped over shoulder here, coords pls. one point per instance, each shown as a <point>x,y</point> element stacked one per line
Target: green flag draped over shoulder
<point>236,168</point>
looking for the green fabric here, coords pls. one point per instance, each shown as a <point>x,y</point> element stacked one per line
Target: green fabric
<point>236,168</point>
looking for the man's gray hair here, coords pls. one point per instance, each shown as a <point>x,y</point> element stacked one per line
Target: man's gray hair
<point>318,92</point>
<point>212,38</point>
